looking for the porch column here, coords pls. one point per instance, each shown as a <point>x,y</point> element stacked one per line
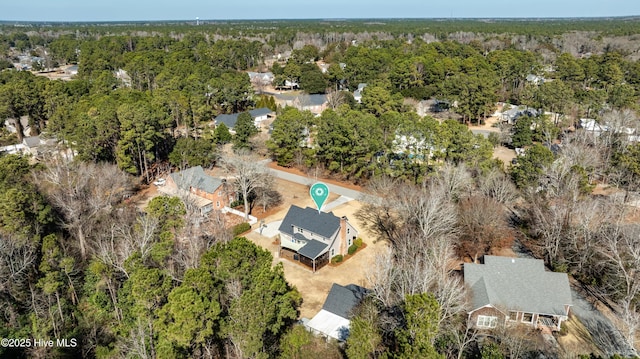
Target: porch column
<point>314,265</point>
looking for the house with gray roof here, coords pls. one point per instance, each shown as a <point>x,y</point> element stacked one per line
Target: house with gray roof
<point>516,290</point>
<point>315,103</point>
<point>334,319</point>
<point>258,115</point>
<point>206,192</point>
<point>312,237</point>
<point>357,94</point>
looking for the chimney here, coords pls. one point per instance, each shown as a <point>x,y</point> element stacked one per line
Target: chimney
<point>343,235</point>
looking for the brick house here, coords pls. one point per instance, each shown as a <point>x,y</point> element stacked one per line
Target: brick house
<point>208,192</point>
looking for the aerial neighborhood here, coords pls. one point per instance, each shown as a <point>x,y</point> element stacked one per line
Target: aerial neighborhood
<point>338,188</point>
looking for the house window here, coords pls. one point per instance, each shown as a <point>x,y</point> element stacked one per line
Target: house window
<point>333,252</point>
<point>349,242</point>
<point>220,193</point>
<point>513,315</point>
<point>218,204</point>
<point>348,230</point>
<point>486,321</point>
<point>527,317</point>
<point>300,230</point>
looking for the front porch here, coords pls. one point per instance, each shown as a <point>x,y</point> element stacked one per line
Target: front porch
<point>548,322</point>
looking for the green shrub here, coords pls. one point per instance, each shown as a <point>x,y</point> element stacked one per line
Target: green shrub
<point>358,242</point>
<point>235,204</point>
<point>241,228</point>
<point>352,249</point>
<point>337,259</point>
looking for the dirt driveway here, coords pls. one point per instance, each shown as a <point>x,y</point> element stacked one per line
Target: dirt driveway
<point>314,287</point>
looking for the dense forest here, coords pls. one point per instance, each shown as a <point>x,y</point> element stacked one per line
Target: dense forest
<point>77,260</point>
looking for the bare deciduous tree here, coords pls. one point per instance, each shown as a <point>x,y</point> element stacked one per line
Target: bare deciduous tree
<point>621,246</point>
<point>336,98</point>
<point>498,186</point>
<point>267,195</point>
<point>455,180</point>
<point>249,174</point>
<point>197,237</point>
<point>82,193</point>
<point>483,223</point>
<point>126,233</point>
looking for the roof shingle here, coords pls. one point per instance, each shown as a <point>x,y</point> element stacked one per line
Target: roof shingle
<point>517,284</point>
<point>196,178</point>
<point>323,224</point>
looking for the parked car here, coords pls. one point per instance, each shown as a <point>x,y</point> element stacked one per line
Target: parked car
<point>160,182</point>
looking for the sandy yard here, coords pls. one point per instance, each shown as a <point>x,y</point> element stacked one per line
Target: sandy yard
<point>504,154</point>
<point>314,287</point>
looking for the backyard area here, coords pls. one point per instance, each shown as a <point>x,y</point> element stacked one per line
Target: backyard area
<point>314,286</point>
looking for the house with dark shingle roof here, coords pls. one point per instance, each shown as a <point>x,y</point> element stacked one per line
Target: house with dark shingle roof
<point>315,103</point>
<point>334,319</point>
<point>207,192</point>
<point>313,238</point>
<point>516,290</point>
<point>258,115</point>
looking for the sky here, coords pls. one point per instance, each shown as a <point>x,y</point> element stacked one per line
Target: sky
<point>137,10</point>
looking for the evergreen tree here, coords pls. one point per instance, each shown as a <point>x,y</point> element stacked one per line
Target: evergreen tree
<point>245,129</point>
<point>222,135</point>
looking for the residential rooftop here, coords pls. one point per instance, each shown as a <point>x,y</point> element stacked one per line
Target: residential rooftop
<point>517,284</point>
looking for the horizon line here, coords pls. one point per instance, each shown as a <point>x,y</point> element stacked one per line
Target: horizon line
<point>337,19</point>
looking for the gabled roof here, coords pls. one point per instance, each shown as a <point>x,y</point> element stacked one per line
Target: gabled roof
<point>260,112</point>
<point>231,119</point>
<point>196,178</point>
<point>333,319</point>
<point>342,299</point>
<point>317,99</point>
<point>324,224</point>
<point>228,120</point>
<point>517,284</point>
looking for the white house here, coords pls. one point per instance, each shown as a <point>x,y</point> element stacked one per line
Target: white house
<point>312,237</point>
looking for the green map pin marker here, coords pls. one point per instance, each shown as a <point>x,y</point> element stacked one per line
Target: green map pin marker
<point>319,193</point>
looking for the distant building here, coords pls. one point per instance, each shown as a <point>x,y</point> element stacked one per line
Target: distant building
<point>72,70</point>
<point>594,128</point>
<point>261,78</point>
<point>357,94</point>
<point>258,115</point>
<point>512,114</point>
<point>535,79</point>
<point>314,103</point>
